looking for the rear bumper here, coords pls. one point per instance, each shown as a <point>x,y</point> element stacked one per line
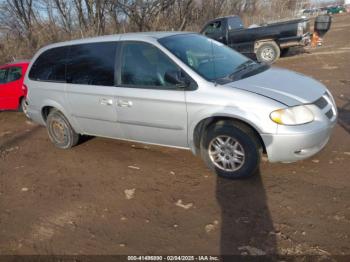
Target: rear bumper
<point>35,115</point>
<point>294,147</point>
<point>306,39</point>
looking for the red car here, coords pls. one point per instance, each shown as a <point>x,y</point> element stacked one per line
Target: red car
<point>12,90</point>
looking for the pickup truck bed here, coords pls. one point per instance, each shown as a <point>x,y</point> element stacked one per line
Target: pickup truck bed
<point>265,41</point>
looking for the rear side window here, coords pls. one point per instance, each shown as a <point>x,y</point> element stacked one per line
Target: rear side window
<point>15,73</point>
<point>92,64</point>
<point>3,75</point>
<point>234,23</point>
<point>50,65</point>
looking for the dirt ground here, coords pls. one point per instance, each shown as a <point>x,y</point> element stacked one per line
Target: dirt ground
<point>111,197</point>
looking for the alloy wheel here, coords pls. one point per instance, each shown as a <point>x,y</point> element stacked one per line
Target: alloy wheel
<point>226,153</point>
<point>268,54</point>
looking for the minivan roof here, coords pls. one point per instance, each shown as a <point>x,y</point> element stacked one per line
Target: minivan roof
<point>158,34</point>
<point>116,37</point>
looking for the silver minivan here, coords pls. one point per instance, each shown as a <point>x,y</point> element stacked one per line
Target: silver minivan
<point>180,90</point>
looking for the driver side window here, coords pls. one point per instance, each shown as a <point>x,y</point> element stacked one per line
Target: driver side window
<point>144,66</point>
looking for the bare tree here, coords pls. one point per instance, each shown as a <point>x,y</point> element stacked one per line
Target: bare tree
<point>142,13</point>
<point>184,13</point>
<point>19,15</point>
<point>63,8</point>
<point>25,25</point>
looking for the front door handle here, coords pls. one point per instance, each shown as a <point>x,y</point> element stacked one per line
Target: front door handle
<point>106,101</point>
<point>124,103</point>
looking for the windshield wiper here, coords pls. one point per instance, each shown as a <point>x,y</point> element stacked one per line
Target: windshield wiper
<point>234,75</point>
<point>242,67</point>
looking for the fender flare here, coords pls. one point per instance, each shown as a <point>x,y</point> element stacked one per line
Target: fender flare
<point>250,120</point>
<point>258,43</point>
<point>54,104</point>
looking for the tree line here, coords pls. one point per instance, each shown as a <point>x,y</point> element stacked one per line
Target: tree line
<point>27,25</point>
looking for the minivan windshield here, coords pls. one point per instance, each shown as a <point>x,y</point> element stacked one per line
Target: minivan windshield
<point>209,58</point>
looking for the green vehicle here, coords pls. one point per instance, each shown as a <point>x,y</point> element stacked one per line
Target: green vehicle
<point>336,10</point>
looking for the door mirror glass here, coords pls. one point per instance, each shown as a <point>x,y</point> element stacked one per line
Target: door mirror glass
<point>175,77</point>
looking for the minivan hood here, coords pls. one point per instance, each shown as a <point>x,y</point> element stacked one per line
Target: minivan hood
<point>287,87</point>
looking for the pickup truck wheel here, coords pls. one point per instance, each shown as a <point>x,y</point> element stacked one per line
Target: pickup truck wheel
<point>268,52</point>
<point>60,131</point>
<point>230,150</point>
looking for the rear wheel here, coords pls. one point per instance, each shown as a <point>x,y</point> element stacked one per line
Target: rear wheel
<point>268,52</point>
<point>60,131</point>
<point>231,149</point>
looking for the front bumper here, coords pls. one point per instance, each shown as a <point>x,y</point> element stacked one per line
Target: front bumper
<point>293,143</point>
<point>35,115</point>
<point>294,147</point>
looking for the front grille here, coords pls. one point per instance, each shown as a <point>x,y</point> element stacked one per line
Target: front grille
<point>321,103</point>
<point>330,114</point>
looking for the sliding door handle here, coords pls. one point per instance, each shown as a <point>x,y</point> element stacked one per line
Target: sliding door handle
<point>106,101</point>
<point>124,103</point>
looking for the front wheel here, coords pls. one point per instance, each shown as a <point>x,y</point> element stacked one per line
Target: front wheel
<point>231,150</point>
<point>60,131</point>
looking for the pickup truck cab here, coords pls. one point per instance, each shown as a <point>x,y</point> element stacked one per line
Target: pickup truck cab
<point>266,41</point>
<point>12,90</point>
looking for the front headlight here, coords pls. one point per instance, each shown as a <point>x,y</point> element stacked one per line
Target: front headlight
<point>296,115</point>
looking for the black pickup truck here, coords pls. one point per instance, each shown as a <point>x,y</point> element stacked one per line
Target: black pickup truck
<point>266,41</point>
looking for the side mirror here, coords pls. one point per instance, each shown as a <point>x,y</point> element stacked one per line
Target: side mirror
<point>175,77</point>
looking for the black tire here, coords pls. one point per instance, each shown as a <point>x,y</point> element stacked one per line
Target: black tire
<point>247,140</point>
<point>60,131</point>
<point>268,52</point>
